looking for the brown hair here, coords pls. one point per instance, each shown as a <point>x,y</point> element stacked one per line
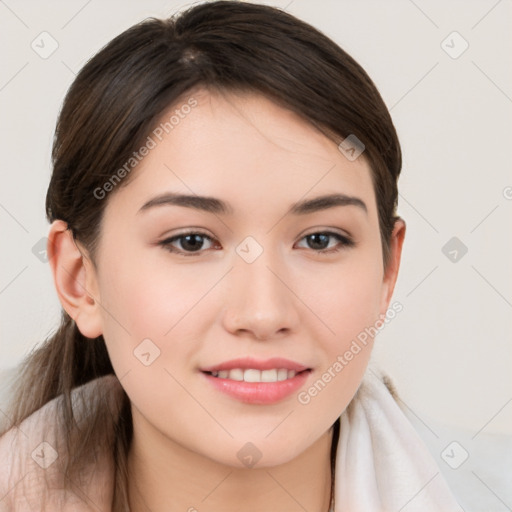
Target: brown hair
<point>112,106</point>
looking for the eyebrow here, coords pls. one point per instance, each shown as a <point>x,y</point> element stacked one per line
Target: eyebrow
<point>217,206</point>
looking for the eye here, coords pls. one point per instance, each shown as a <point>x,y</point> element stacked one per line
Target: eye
<point>321,241</point>
<point>192,243</point>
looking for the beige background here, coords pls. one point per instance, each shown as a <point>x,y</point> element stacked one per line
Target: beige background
<point>449,351</point>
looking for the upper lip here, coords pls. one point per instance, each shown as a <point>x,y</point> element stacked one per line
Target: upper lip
<point>247,363</point>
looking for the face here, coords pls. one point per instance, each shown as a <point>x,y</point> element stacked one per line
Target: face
<point>195,297</point>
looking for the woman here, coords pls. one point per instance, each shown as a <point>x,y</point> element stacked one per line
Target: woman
<point>224,243</point>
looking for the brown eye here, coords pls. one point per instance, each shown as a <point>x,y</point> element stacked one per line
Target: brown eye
<point>321,241</point>
<point>187,244</point>
<point>191,242</point>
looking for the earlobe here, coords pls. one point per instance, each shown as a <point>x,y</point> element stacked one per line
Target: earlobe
<point>74,279</point>
<point>391,273</point>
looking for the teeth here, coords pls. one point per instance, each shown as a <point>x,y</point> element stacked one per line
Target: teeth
<point>282,374</point>
<point>235,374</point>
<point>253,375</point>
<point>269,376</point>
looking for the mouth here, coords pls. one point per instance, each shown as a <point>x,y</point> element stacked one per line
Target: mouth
<point>255,375</point>
<point>257,382</point>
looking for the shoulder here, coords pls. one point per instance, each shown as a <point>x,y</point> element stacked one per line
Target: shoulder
<point>33,455</point>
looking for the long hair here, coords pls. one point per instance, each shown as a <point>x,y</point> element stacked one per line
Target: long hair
<point>112,106</point>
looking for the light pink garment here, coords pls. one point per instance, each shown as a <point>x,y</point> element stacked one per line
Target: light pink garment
<point>381,464</point>
<point>31,476</point>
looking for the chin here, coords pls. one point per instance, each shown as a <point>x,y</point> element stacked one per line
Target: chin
<point>259,453</point>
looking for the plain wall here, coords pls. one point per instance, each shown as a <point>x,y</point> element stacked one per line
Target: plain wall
<point>449,351</point>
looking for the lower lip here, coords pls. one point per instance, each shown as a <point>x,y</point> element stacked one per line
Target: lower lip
<point>259,392</point>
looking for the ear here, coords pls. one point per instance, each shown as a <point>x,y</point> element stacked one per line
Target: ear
<point>75,280</point>
<point>391,273</point>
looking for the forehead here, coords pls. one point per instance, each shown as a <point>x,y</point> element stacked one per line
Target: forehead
<point>243,148</point>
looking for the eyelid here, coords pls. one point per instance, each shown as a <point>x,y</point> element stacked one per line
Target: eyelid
<point>192,230</point>
<point>334,231</point>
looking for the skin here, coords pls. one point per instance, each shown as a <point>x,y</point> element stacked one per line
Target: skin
<point>291,302</point>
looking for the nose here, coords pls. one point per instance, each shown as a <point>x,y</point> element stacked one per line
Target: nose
<point>260,302</point>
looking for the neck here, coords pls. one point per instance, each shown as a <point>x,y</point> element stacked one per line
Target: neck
<point>168,477</point>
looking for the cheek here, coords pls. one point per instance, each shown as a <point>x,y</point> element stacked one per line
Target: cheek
<point>151,330</point>
<point>346,301</point>
<point>152,292</point>
<point>344,297</point>
<point>157,313</point>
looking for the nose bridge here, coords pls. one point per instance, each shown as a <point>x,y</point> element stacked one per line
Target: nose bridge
<point>259,300</point>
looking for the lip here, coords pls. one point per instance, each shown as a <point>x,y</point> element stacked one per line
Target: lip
<point>258,393</point>
<point>247,363</point>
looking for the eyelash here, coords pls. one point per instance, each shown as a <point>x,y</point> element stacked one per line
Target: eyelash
<point>345,242</point>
